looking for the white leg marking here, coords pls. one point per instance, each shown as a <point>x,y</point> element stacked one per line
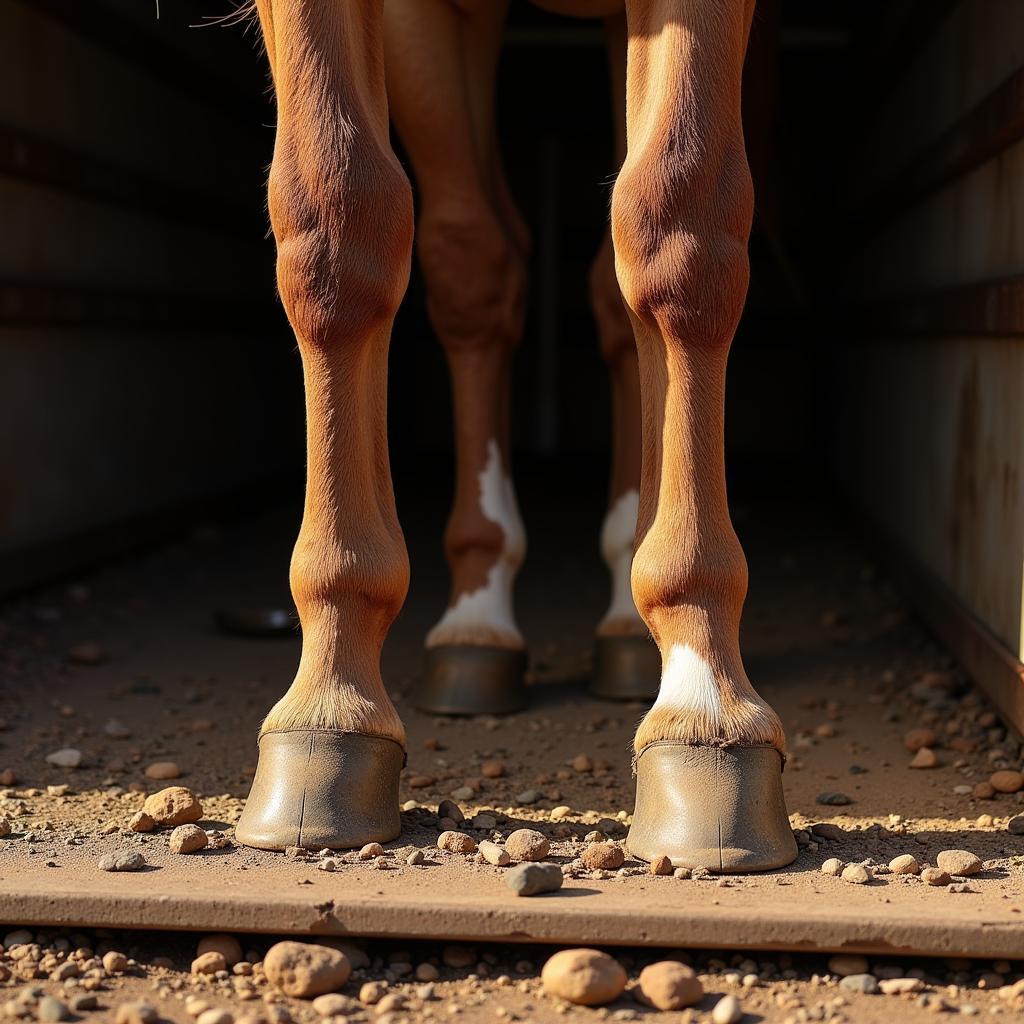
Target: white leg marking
<point>488,611</point>
<point>617,534</point>
<point>689,684</point>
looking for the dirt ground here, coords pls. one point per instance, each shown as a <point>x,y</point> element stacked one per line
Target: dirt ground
<point>827,642</point>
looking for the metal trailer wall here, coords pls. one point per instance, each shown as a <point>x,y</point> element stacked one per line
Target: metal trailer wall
<point>925,393</point>
<point>143,364</point>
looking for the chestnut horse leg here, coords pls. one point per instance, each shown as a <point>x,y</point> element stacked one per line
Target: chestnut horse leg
<point>441,67</point>
<point>710,751</point>
<point>626,661</point>
<point>332,748</point>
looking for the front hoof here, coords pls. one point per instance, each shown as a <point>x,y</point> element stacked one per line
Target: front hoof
<point>318,788</point>
<point>719,808</point>
<point>470,679</point>
<point>626,668</point>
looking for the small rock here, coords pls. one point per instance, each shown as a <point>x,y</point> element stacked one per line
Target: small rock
<point>458,956</point>
<point>117,730</point>
<point>115,962</point>
<point>84,1003</point>
<point>915,739</point>
<point>173,806</point>
<point>370,851</point>
<point>421,781</point>
<point>935,876</point>
<point>125,860</point>
<point>456,842</point>
<point>450,809</point>
<point>52,1010</point>
<point>484,821</point>
<point>983,791</point>
<point>492,769</point>
<point>582,763</point>
<point>830,799</point>
<point>187,839</point>
<point>833,866</point>
<point>905,864</point>
<point>463,793</point>
<point>426,972</point>
<point>334,1004</point>
<point>603,857</point>
<point>864,983</point>
<point>924,758</point>
<point>5,828</point>
<point>847,963</point>
<point>215,1016</point>
<point>209,962</point>
<point>8,777</point>
<point>67,757</point>
<point>527,844</point>
<point>528,796</point>
<point>661,865</point>
<point>958,862</point>
<point>898,986</point>
<point>1006,781</point>
<point>494,854</point>
<point>414,858</point>
<point>856,874</point>
<point>1015,826</point>
<point>669,985</point>
<point>529,879</point>
<point>303,970</point>
<point>136,1013</point>
<point>140,821</point>
<point>227,945</point>
<point>727,1010</point>
<point>163,770</point>
<point>585,977</point>
<point>828,830</point>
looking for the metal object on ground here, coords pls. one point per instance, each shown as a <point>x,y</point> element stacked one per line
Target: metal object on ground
<point>322,788</point>
<point>258,621</point>
<point>467,679</point>
<point>626,668</point>
<point>720,808</point>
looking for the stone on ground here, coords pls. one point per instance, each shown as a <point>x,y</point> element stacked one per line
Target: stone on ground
<point>529,879</point>
<point>304,970</point>
<point>586,977</point>
<point>669,985</point>
<point>527,844</point>
<point>173,806</point>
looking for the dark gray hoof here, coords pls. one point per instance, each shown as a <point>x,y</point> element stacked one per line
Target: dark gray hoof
<point>466,679</point>
<point>626,668</point>
<point>719,808</point>
<point>319,788</point>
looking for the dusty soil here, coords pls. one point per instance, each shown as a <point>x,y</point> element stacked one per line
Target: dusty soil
<point>827,642</point>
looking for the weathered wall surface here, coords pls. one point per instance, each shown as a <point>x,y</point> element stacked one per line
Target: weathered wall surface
<point>143,362</point>
<point>927,385</point>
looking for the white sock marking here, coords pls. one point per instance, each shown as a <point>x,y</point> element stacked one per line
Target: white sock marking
<point>617,535</point>
<point>489,609</point>
<point>689,684</point>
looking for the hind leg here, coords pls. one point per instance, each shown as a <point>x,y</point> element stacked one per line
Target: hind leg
<point>710,750</point>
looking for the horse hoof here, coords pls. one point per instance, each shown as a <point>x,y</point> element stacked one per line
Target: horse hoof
<point>466,679</point>
<point>319,788</point>
<point>720,808</point>
<point>626,668</point>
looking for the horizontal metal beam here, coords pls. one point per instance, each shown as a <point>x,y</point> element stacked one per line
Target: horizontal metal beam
<point>43,162</point>
<point>57,305</point>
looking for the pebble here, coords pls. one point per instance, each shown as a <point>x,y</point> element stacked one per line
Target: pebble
<point>603,857</point>
<point>494,854</point>
<point>935,876</point>
<point>958,862</point>
<point>1015,826</point>
<point>8,777</point>
<point>84,1003</point>
<point>864,983</point>
<point>187,839</point>
<point>661,865</point>
<point>414,858</point>
<point>560,812</point>
<point>528,796</point>
<point>136,1013</point>
<point>830,799</point>
<point>115,962</point>
<point>140,821</point>
<point>492,769</point>
<point>334,1004</point>
<point>1006,781</point>
<point>5,828</point>
<point>828,830</point>
<point>209,962</point>
<point>582,763</point>
<point>844,964</point>
<point>924,758</point>
<point>833,866</point>
<point>527,844</point>
<point>728,1010</point>
<point>163,770</point>
<point>585,977</point>
<point>669,985</point>
<point>458,956</point>
<point>456,842</point>
<point>905,864</point>
<point>450,809</point>
<point>463,793</point>
<point>303,970</point>
<point>52,1010</point>
<point>529,879</point>
<point>984,791</point>
<point>484,821</point>
<point>227,945</point>
<point>215,1016</point>
<point>124,860</point>
<point>372,992</point>
<point>67,757</point>
<point>117,730</point>
<point>371,850</point>
<point>857,874</point>
<point>915,739</point>
<point>897,986</point>
<point>173,806</point>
